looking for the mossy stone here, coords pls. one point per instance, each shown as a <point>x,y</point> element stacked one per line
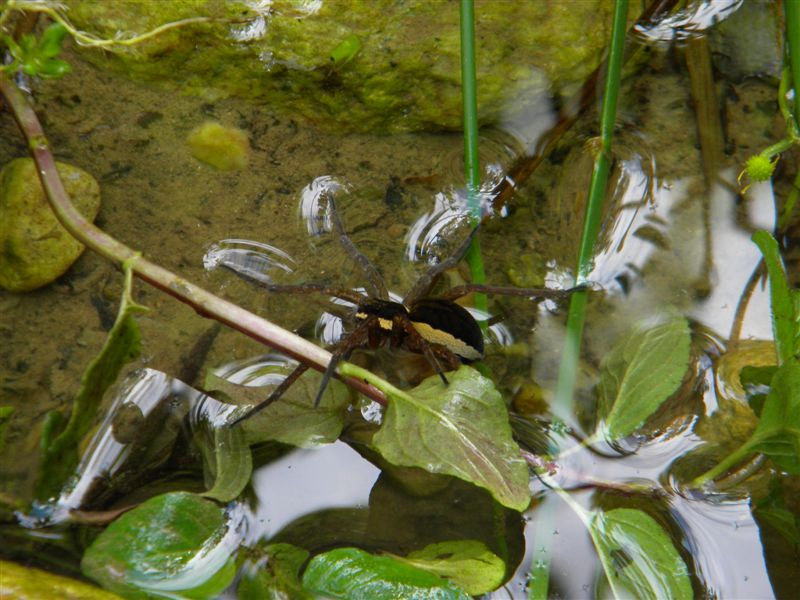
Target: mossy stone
<point>34,248</point>
<point>225,148</point>
<point>380,66</point>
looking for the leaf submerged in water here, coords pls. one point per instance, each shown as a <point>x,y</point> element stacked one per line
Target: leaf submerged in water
<point>462,430</point>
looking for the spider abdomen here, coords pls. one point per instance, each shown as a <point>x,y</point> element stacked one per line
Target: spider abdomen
<point>450,325</point>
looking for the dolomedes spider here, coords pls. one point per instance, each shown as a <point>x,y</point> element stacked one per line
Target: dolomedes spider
<point>438,328</point>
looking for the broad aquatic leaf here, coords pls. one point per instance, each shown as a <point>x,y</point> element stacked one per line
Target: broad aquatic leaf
<point>354,574</point>
<point>638,557</point>
<point>292,419</point>
<point>461,429</point>
<point>121,347</point>
<point>643,370</point>
<point>467,563</point>
<point>174,545</point>
<point>26,583</point>
<point>778,430</point>
<point>232,463</point>
<point>275,575</point>
<point>784,312</point>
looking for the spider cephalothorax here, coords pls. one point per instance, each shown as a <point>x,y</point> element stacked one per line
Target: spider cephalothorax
<point>438,328</point>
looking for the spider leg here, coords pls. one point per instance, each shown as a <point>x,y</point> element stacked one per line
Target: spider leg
<point>342,351</point>
<point>302,288</point>
<point>275,395</point>
<point>542,293</point>
<point>375,282</point>
<point>427,280</point>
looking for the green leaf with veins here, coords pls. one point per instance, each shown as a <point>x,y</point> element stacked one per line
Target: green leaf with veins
<point>784,300</point>
<point>638,556</point>
<point>273,573</point>
<point>642,371</point>
<point>461,429</point>
<point>778,431</point>
<point>229,461</point>
<point>292,419</point>
<point>467,563</point>
<point>354,574</point>
<point>170,546</point>
<point>122,346</point>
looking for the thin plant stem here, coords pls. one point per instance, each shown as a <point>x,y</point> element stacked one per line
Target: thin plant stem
<point>205,303</point>
<point>577,307</point>
<point>469,98</point>
<point>85,39</point>
<point>791,9</point>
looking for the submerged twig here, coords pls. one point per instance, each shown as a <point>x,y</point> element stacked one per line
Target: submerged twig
<point>204,302</point>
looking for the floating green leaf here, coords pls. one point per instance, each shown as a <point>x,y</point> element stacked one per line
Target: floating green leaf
<point>275,575</point>
<point>785,311</point>
<point>467,563</point>
<point>292,419</point>
<point>638,557</point>
<point>173,545</point>
<point>121,347</point>
<point>460,429</point>
<point>641,372</point>
<point>354,574</point>
<point>231,463</point>
<point>778,431</point>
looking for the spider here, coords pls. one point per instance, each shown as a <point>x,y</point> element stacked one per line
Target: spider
<point>444,332</point>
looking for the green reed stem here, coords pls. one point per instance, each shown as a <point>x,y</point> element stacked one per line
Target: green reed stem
<point>791,9</point>
<point>577,307</point>
<point>472,167</point>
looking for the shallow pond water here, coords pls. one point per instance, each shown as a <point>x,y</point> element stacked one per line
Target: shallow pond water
<point>672,240</point>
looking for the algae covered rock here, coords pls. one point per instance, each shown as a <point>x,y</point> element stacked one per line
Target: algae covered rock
<point>225,148</point>
<point>34,248</point>
<point>379,66</point>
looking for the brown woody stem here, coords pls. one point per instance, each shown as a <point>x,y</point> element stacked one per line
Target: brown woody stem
<point>205,303</point>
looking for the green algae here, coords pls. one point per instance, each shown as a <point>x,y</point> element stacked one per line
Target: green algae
<point>403,75</point>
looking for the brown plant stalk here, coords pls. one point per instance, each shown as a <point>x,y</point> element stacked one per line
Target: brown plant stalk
<point>204,303</point>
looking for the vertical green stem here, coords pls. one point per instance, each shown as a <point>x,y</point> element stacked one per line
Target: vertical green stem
<point>791,9</point>
<point>472,168</point>
<point>594,210</point>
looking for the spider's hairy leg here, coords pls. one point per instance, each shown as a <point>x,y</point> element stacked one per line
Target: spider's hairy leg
<point>376,285</point>
<point>427,280</point>
<point>342,351</point>
<point>300,288</point>
<point>274,396</point>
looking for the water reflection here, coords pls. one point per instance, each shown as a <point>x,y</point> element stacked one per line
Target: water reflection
<point>289,487</point>
<point>314,210</point>
<point>691,21</point>
<point>251,259</point>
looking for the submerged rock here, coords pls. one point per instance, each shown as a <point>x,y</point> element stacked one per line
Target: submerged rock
<point>34,248</point>
<point>379,66</point>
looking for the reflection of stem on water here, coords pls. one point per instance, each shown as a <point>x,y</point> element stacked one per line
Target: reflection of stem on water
<point>712,142</point>
<point>744,300</point>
